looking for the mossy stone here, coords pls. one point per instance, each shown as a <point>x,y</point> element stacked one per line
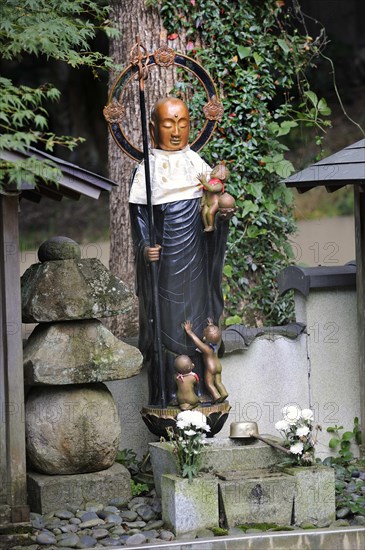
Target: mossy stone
<point>59,248</point>
<point>77,352</point>
<point>71,429</point>
<point>67,290</point>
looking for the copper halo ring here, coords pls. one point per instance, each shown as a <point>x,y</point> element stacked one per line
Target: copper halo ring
<point>127,75</point>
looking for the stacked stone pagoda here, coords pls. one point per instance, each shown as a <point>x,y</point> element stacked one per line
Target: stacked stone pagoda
<point>72,422</point>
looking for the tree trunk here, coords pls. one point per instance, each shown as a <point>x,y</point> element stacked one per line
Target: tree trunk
<point>131,17</point>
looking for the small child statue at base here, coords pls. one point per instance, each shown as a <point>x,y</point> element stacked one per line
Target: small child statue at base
<point>209,348</point>
<point>185,381</point>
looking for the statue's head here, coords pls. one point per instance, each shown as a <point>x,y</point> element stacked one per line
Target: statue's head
<point>170,124</point>
<point>183,364</point>
<point>212,334</point>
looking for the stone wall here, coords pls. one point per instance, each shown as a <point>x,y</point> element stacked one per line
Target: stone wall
<point>334,382</point>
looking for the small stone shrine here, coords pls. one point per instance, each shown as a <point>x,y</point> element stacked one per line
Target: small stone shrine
<point>242,484</point>
<point>72,422</point>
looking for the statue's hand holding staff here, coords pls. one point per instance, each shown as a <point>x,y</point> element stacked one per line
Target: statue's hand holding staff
<point>152,254</point>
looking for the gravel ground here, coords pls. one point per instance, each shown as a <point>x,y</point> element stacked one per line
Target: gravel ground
<point>127,524</point>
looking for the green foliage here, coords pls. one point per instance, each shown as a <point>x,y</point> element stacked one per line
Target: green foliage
<point>255,53</point>
<point>347,468</point>
<point>128,458</point>
<point>341,443</point>
<point>56,29</point>
<point>320,204</point>
<point>354,499</point>
<point>219,531</point>
<point>264,527</point>
<point>141,471</point>
<point>138,488</point>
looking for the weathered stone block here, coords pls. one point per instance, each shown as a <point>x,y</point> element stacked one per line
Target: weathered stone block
<point>76,352</point>
<point>189,507</point>
<point>48,493</point>
<point>5,514</point>
<point>314,500</point>
<point>257,496</point>
<point>66,290</point>
<point>219,455</point>
<point>71,429</point>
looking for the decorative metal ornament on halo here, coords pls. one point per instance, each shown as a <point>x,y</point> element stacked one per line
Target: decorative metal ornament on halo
<point>114,112</point>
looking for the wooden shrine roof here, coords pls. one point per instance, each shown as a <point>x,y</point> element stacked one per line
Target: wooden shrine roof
<point>346,167</point>
<point>74,182</point>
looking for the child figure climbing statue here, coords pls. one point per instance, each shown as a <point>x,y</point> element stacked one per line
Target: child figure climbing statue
<point>212,365</point>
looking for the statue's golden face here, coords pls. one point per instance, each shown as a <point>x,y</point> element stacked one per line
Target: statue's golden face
<point>170,125</point>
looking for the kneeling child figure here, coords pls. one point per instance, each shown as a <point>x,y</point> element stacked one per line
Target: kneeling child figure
<point>185,381</point>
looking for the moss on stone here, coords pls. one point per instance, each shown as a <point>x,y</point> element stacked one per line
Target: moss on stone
<point>64,290</point>
<point>264,527</point>
<point>219,531</point>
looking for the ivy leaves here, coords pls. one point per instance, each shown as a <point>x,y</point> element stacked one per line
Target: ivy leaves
<point>244,51</point>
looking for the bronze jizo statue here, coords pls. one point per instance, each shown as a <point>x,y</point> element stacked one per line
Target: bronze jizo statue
<point>190,260</point>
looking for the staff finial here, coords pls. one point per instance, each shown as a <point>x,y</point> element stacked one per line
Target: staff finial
<point>140,57</point>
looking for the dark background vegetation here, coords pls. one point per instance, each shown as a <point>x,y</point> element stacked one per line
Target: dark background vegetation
<point>83,96</point>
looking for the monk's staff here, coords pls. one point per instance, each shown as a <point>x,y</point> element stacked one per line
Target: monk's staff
<point>140,58</point>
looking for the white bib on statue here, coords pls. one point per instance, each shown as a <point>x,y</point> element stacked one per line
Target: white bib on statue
<point>173,177</point>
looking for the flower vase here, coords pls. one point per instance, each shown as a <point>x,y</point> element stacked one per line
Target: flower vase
<point>314,499</point>
<point>189,507</point>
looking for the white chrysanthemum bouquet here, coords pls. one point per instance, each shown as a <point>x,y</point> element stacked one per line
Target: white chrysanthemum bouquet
<point>299,433</point>
<point>188,440</point>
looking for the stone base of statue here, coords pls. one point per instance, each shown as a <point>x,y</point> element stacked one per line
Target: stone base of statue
<point>158,419</point>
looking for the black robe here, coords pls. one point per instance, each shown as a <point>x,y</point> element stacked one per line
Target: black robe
<point>189,286</point>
